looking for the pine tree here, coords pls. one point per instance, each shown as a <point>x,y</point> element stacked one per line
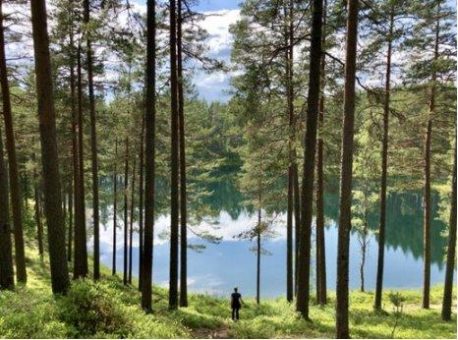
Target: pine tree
<point>15,188</point>
<point>309,160</point>
<point>174,197</point>
<point>342,330</point>
<point>94,161</point>
<point>451,251</point>
<point>49,158</point>
<point>150,134</point>
<point>6,251</point>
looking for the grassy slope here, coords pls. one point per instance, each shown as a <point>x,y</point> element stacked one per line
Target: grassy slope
<point>108,309</point>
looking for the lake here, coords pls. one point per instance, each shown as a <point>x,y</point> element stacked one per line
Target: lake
<point>218,268</point>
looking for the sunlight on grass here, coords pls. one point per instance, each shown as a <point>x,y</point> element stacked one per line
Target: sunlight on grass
<point>110,309</point>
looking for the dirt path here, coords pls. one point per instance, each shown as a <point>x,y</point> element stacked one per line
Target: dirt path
<point>206,333</point>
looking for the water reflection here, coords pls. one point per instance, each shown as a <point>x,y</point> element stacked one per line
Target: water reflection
<point>219,267</point>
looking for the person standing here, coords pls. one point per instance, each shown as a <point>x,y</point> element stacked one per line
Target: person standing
<point>236,304</point>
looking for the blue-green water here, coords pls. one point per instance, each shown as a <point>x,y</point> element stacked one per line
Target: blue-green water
<point>219,267</point>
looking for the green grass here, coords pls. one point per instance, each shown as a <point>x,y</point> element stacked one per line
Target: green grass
<point>108,309</point>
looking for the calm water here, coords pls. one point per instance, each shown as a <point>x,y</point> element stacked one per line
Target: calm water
<point>219,267</point>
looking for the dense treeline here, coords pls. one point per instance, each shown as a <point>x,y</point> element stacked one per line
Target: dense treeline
<point>105,114</point>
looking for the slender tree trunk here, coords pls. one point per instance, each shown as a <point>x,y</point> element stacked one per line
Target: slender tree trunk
<point>451,251</point>
<point>309,161</point>
<point>288,13</point>
<point>15,195</point>
<point>258,259</point>
<point>132,210</point>
<point>126,204</point>
<point>150,128</point>
<point>64,207</point>
<point>140,203</point>
<point>182,154</point>
<point>75,155</point>
<point>342,330</point>
<point>173,281</point>
<point>95,175</point>
<point>80,266</point>
<point>364,246</point>
<point>321,286</point>
<point>427,185</point>
<point>70,224</point>
<point>50,159</point>
<point>115,207</point>
<point>386,116</point>
<point>297,222</point>
<point>39,221</point>
<point>6,247</point>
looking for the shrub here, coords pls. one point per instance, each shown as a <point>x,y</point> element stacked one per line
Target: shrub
<point>91,310</point>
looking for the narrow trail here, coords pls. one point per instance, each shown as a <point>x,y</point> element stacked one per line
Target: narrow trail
<point>206,333</point>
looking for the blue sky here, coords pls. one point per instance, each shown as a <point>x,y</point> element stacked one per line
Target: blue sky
<point>212,5</point>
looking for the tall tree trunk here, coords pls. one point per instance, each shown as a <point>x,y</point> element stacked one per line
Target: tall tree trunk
<point>309,161</point>
<point>427,185</point>
<point>451,251</point>
<point>140,203</point>
<point>126,205</point>
<point>346,175</point>
<point>70,224</point>
<point>386,116</point>
<point>297,221</point>
<point>80,266</point>
<point>321,285</point>
<point>38,221</point>
<point>258,259</point>
<point>288,14</point>
<point>173,281</point>
<point>150,133</point>
<point>75,155</point>
<point>6,247</point>
<point>95,175</point>
<point>115,207</point>
<point>182,154</point>
<point>50,159</point>
<point>15,195</point>
<point>150,127</point>
<point>132,210</point>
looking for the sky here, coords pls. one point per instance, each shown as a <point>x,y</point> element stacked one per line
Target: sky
<point>220,14</point>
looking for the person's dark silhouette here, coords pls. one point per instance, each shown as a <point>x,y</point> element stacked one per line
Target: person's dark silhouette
<point>236,304</point>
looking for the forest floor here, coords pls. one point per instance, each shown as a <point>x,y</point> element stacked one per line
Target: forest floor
<point>108,309</point>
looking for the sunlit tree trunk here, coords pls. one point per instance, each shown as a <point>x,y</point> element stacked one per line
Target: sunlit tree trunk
<point>427,184</point>
<point>321,286</point>
<point>150,119</point>
<point>15,194</point>
<point>346,175</point>
<point>80,266</point>
<point>132,210</point>
<point>140,203</point>
<point>38,220</point>
<point>126,205</point>
<point>174,198</point>
<point>288,14</point>
<point>95,176</point>
<point>303,293</point>
<point>451,251</point>
<point>49,158</point>
<point>383,185</point>
<point>182,154</point>
<point>115,207</point>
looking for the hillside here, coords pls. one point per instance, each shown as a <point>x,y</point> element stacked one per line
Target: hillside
<point>109,309</point>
